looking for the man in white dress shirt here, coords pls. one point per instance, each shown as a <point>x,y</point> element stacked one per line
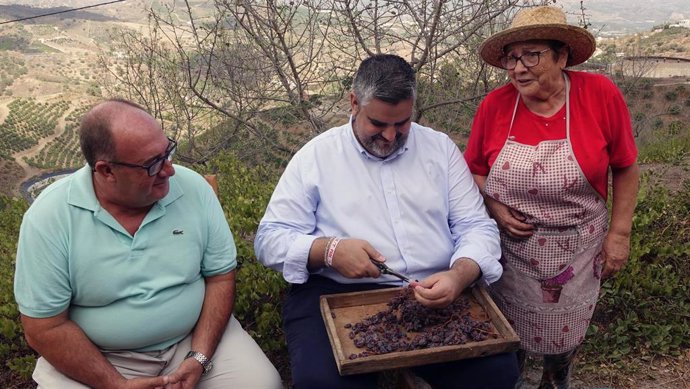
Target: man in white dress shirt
<point>386,189</point>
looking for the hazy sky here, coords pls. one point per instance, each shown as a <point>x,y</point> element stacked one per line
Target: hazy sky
<point>607,15</point>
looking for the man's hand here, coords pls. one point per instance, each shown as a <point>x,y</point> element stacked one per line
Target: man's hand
<point>187,374</point>
<point>616,251</point>
<point>441,289</point>
<point>352,259</point>
<point>509,220</point>
<point>162,382</point>
<point>437,291</point>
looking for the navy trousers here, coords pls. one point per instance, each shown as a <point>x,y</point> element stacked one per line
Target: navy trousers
<point>313,364</point>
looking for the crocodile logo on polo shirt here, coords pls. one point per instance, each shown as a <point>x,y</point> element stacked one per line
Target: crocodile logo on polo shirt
<point>178,232</point>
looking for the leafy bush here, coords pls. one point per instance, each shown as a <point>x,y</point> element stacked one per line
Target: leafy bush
<point>645,309</point>
<point>674,110</point>
<point>244,193</point>
<point>671,95</point>
<point>14,352</point>
<point>672,147</point>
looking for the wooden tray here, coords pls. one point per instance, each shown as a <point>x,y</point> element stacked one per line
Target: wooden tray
<point>340,309</point>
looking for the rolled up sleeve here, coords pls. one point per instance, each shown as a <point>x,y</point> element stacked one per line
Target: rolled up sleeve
<point>474,233</point>
<point>286,232</point>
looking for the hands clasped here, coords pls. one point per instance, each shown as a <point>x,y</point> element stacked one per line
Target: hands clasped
<point>508,219</point>
<point>186,376</point>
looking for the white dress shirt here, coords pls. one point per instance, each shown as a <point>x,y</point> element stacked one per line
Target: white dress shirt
<point>420,207</point>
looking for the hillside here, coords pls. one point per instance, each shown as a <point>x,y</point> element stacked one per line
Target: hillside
<point>56,60</point>
<point>663,41</point>
<point>616,17</point>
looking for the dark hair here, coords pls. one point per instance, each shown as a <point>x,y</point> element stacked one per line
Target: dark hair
<point>555,47</point>
<point>95,132</point>
<point>386,77</point>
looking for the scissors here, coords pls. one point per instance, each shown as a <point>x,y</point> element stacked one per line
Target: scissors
<point>387,270</point>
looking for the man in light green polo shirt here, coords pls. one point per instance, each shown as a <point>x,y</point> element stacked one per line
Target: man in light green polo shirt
<point>125,271</point>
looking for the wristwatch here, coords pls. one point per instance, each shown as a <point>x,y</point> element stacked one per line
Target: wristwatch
<point>202,359</point>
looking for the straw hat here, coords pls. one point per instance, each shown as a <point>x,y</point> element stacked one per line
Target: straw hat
<point>544,23</point>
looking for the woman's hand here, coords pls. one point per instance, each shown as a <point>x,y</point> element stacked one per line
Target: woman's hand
<point>509,220</point>
<point>616,251</point>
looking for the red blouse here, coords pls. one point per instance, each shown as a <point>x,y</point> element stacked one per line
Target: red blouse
<point>600,128</point>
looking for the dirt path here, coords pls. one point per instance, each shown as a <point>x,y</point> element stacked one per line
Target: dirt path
<point>656,373</point>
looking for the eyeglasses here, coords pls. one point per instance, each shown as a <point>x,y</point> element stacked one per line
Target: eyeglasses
<point>156,165</point>
<point>528,59</point>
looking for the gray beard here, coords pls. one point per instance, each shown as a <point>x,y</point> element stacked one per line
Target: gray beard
<point>372,148</point>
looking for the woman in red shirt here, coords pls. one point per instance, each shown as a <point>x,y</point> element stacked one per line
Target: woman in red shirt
<point>540,150</point>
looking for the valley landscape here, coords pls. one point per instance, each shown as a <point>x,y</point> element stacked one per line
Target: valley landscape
<point>55,60</point>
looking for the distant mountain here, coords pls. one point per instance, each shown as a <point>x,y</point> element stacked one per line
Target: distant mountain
<point>127,11</point>
<point>608,17</point>
<point>620,17</point>
<point>15,11</point>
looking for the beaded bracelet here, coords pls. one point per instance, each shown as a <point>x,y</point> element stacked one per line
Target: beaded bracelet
<point>332,244</point>
<point>325,250</point>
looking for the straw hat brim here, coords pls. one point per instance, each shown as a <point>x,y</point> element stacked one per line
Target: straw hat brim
<point>580,41</point>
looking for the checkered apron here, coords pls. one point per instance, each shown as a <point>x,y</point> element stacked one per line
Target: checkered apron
<point>551,280</point>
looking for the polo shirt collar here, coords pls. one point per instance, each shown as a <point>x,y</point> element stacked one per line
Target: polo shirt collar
<point>174,193</point>
<point>81,193</point>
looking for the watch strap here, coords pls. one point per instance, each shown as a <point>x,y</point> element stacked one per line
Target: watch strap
<point>203,360</point>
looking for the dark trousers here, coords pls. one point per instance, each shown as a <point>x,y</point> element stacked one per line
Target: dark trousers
<point>313,364</point>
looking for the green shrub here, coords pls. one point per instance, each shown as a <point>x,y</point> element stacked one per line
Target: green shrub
<point>244,194</point>
<point>672,147</point>
<point>674,110</point>
<point>671,95</point>
<point>658,123</point>
<point>645,309</point>
<point>14,352</point>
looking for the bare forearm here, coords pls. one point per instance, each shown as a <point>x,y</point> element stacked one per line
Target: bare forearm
<point>480,181</point>
<point>219,302</point>
<point>71,352</point>
<point>626,183</point>
<point>467,271</point>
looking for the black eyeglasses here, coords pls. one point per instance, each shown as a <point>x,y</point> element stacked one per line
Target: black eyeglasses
<point>528,59</point>
<point>156,165</point>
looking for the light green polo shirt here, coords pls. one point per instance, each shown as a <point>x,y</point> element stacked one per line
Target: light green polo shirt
<point>141,292</point>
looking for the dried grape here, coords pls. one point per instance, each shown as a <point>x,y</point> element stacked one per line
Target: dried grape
<point>407,325</point>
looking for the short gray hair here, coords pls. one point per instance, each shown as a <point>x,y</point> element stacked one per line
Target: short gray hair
<point>386,77</point>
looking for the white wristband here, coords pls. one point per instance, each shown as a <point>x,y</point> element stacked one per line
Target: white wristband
<point>332,244</point>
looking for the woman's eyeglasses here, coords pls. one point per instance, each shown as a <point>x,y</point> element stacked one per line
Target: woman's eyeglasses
<point>528,59</point>
<point>156,165</point>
